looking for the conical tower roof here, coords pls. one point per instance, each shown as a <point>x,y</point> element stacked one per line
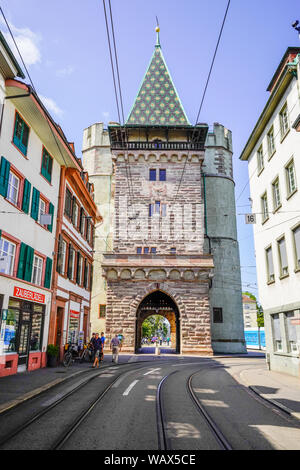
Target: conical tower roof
<point>157,102</point>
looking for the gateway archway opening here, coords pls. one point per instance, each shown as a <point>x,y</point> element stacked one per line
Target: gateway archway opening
<point>160,310</point>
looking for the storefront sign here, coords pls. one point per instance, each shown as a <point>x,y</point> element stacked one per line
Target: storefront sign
<point>74,314</point>
<point>29,295</point>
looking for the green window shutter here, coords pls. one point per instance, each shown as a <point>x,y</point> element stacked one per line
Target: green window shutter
<point>26,196</point>
<point>21,134</point>
<point>28,264</point>
<point>46,165</point>
<point>0,233</point>
<point>48,273</point>
<point>70,261</point>
<point>4,176</point>
<point>51,212</point>
<point>21,264</point>
<point>85,273</point>
<point>35,204</point>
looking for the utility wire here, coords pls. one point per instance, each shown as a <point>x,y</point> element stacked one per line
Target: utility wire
<point>31,81</point>
<point>204,92</point>
<point>118,98</point>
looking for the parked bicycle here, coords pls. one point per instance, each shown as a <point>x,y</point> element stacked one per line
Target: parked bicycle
<point>73,353</point>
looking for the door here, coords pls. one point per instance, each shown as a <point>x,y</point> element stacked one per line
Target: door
<point>59,328</point>
<point>23,349</point>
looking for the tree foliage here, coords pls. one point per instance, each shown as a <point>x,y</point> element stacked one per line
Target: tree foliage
<point>259,310</point>
<point>154,326</point>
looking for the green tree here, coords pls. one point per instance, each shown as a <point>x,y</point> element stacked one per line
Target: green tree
<point>259,314</point>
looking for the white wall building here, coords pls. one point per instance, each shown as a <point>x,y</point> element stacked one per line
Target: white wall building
<point>273,155</point>
<point>32,151</point>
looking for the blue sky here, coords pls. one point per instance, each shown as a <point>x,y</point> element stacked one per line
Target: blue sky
<point>65,47</point>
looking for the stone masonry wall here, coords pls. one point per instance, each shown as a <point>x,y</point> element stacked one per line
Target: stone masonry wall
<point>124,297</point>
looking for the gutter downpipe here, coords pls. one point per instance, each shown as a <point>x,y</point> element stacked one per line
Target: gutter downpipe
<point>205,214</point>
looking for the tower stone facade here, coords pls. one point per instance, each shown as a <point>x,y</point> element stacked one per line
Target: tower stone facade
<point>170,236</point>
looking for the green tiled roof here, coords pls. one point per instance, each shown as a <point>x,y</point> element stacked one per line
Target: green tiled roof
<point>157,103</point>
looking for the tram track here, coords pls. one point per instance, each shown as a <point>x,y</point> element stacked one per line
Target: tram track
<point>59,442</point>
<point>164,442</point>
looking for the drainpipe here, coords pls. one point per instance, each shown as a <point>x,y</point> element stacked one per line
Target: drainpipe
<point>205,214</point>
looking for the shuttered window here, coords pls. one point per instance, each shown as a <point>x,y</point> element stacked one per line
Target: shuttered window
<point>26,196</point>
<point>47,163</point>
<point>48,272</point>
<point>68,203</point>
<point>21,134</point>
<point>284,270</point>
<point>4,176</point>
<point>35,204</point>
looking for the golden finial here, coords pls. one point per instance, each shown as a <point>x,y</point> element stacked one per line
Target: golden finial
<point>157,29</point>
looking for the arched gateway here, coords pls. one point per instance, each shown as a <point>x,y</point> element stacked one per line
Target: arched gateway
<point>158,303</point>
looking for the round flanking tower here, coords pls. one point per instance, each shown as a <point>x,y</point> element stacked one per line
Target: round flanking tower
<point>227,326</point>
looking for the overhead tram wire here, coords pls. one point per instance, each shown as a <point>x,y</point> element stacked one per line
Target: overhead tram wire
<point>120,93</point>
<point>204,92</point>
<point>119,105</point>
<point>31,82</point>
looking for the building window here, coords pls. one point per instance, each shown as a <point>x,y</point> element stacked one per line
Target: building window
<point>276,332</point>
<point>75,214</point>
<point>260,159</point>
<point>173,250</point>
<point>7,256</point>
<point>13,188</point>
<point>151,210</point>
<point>290,178</point>
<point>153,250</point>
<point>296,236</point>
<point>157,207</point>
<point>79,269</point>
<point>276,194</point>
<point>291,332</point>
<point>42,209</point>
<point>152,175</point>
<point>163,210</point>
<point>70,272</point>
<point>264,208</point>
<point>146,250</point>
<point>102,311</point>
<point>68,203</point>
<point>270,265</point>
<point>37,270</point>
<point>217,315</point>
<point>283,263</point>
<point>271,142</point>
<point>162,175</point>
<point>284,121</point>
<point>139,250</point>
<point>21,134</point>
<point>61,257</point>
<point>47,162</point>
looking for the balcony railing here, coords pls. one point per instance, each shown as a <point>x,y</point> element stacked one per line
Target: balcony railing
<point>157,145</point>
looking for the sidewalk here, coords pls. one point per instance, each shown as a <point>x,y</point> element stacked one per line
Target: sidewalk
<point>15,389</point>
<point>282,390</point>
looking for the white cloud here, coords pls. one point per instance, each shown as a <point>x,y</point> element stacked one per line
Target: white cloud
<point>51,105</point>
<point>27,42</point>
<point>65,71</point>
<point>105,115</point>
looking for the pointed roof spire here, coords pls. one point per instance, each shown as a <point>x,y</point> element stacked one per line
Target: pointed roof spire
<point>157,29</point>
<point>157,102</point>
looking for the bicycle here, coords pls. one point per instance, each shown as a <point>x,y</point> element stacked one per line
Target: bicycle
<point>73,353</point>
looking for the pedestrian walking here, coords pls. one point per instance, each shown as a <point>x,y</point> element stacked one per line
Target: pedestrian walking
<point>97,350</point>
<point>115,345</point>
<point>103,342</point>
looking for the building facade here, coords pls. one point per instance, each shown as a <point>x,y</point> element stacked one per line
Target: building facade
<point>172,236</point>
<point>272,152</point>
<point>249,312</point>
<point>73,260</point>
<point>37,164</point>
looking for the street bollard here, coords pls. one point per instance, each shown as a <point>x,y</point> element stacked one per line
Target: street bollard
<point>157,350</point>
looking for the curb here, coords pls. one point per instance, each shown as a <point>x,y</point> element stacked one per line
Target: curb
<point>275,403</point>
<point>37,391</point>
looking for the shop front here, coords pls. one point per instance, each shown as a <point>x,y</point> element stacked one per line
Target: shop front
<point>22,326</point>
